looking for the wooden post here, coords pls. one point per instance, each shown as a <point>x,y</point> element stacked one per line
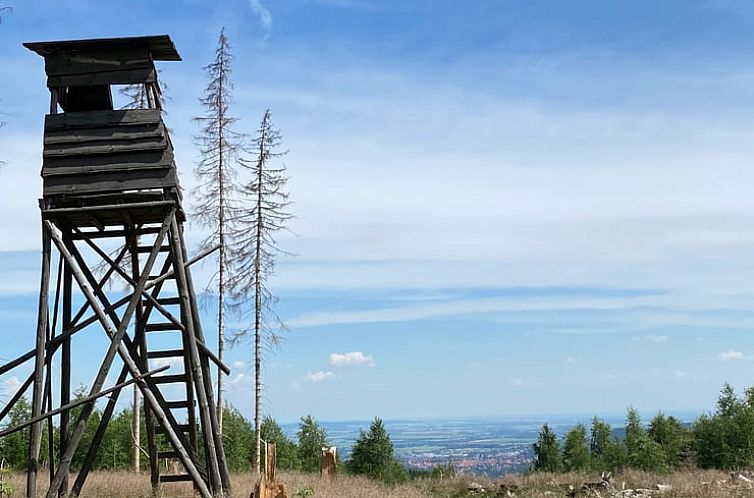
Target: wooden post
<point>132,241</point>
<point>36,410</point>
<point>207,353</point>
<point>117,342</point>
<point>65,360</point>
<point>196,364</point>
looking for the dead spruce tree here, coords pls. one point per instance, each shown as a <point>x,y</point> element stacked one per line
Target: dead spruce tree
<point>255,250</point>
<point>215,192</point>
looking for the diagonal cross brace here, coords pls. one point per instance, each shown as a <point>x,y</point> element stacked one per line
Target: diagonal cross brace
<point>126,357</point>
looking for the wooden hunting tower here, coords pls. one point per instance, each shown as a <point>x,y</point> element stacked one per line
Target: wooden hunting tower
<point>110,178</point>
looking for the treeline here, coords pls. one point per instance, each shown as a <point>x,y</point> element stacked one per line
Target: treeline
<point>721,440</point>
<point>372,454</point>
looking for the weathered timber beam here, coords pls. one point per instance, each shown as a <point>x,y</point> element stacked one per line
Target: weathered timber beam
<point>91,452</point>
<point>115,334</point>
<point>128,360</point>
<point>35,436</point>
<point>100,284</point>
<point>207,374</point>
<point>213,467</point>
<point>132,282</point>
<point>117,304</point>
<point>108,207</point>
<point>112,233</point>
<point>80,402</point>
<point>21,390</point>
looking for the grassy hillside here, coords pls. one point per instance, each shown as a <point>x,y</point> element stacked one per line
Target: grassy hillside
<point>691,484</point>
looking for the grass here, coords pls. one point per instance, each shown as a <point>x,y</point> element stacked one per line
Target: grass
<point>128,485</point>
<point>686,484</point>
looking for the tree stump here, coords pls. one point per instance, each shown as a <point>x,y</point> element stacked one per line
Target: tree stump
<point>328,463</point>
<point>268,486</point>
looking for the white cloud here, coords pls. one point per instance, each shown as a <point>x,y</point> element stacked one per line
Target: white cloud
<point>571,360</point>
<point>731,355</point>
<point>320,376</point>
<point>9,386</point>
<point>650,338</point>
<point>263,14</point>
<point>352,359</point>
<point>239,364</point>
<point>518,383</point>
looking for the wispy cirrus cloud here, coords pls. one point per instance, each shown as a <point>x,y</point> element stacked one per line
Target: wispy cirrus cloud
<point>650,338</point>
<point>263,15</point>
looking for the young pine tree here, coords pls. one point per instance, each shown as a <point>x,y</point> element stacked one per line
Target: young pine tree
<point>287,453</point>
<point>575,449</point>
<point>372,455</point>
<point>547,456</point>
<point>237,439</point>
<point>643,452</point>
<point>672,437</point>
<point>312,437</point>
<point>216,173</point>
<point>255,249</point>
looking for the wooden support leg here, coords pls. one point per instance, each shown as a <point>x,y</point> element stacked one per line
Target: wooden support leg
<point>196,365</point>
<point>35,440</point>
<point>115,347</point>
<point>222,462</point>
<point>127,358</point>
<point>65,360</point>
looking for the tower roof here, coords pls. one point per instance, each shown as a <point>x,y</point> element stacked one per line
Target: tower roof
<point>160,47</point>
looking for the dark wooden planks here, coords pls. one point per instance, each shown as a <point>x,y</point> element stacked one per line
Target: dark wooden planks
<point>112,134</point>
<point>98,119</point>
<point>127,180</point>
<point>89,61</point>
<point>107,151</point>
<point>155,143</point>
<point>121,77</point>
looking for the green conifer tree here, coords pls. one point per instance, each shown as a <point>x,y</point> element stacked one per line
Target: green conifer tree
<point>672,437</point>
<point>575,449</point>
<point>547,456</point>
<point>286,450</point>
<point>312,437</point>
<point>238,440</point>
<point>643,452</point>
<point>372,455</point>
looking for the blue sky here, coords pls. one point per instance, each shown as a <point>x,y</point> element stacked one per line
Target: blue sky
<point>501,206</point>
